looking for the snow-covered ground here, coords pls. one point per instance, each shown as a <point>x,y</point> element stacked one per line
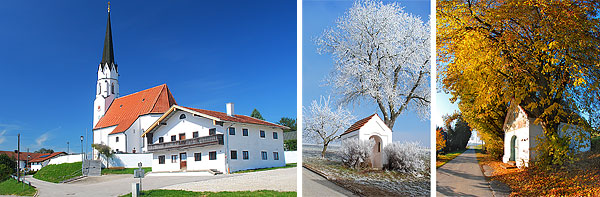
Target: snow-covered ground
<point>368,182</point>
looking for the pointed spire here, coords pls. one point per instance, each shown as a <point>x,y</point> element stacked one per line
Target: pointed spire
<point>107,53</point>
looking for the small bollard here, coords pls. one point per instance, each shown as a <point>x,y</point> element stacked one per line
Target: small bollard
<point>135,189</point>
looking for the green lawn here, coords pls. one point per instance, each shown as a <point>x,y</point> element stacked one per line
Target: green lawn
<point>11,187</point>
<point>124,171</point>
<point>289,165</point>
<point>445,158</point>
<point>57,173</point>
<point>214,194</point>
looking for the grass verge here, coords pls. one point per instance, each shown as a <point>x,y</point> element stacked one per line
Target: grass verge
<point>289,165</point>
<point>124,170</point>
<point>12,187</point>
<point>57,173</point>
<point>580,178</point>
<point>445,158</point>
<point>259,193</point>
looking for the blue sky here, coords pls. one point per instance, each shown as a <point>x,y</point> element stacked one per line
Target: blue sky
<point>319,15</point>
<point>207,52</point>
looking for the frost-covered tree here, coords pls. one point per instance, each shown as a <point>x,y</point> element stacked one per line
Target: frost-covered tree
<point>323,123</point>
<point>356,152</point>
<point>406,157</point>
<point>381,55</point>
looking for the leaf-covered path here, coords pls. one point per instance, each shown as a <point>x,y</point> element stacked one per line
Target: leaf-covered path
<point>462,177</point>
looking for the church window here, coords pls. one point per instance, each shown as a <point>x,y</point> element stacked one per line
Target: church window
<point>112,88</point>
<point>99,89</point>
<point>117,139</point>
<point>182,116</point>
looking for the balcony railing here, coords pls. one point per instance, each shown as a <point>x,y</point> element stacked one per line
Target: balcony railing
<point>194,142</point>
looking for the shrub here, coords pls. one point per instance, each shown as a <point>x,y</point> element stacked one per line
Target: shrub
<point>354,153</point>
<point>405,157</point>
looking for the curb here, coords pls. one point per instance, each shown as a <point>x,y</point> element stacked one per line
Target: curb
<point>308,167</point>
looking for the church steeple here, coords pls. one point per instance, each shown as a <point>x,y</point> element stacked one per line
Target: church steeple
<point>108,56</point>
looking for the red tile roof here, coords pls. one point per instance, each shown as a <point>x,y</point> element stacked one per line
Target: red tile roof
<point>235,118</point>
<point>125,110</point>
<point>359,124</point>
<point>35,157</point>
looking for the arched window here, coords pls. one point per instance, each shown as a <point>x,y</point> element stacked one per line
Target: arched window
<point>99,89</point>
<point>112,88</point>
<point>182,116</point>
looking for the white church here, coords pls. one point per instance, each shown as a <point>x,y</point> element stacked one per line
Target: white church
<point>179,138</point>
<point>521,136</point>
<point>371,128</point>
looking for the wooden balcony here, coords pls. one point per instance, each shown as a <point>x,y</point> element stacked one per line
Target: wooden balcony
<point>188,143</point>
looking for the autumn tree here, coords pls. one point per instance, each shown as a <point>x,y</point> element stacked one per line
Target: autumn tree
<point>542,55</point>
<point>440,141</point>
<point>324,123</point>
<point>381,55</point>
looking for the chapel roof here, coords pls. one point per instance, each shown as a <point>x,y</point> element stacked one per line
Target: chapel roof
<point>125,110</point>
<point>359,124</point>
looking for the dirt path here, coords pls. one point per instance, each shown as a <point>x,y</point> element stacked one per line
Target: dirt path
<point>462,177</point>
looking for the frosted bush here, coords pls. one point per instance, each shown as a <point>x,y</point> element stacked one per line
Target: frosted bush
<point>356,153</point>
<point>405,157</point>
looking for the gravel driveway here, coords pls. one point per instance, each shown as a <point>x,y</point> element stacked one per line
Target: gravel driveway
<point>279,180</point>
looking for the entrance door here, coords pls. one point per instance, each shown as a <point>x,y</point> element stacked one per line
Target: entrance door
<point>183,163</point>
<point>376,157</point>
<point>513,147</point>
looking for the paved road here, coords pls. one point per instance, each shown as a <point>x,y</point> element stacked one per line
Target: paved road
<point>278,179</point>
<point>462,177</point>
<point>315,185</point>
<point>115,185</point>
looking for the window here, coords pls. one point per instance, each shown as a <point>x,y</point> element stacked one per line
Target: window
<point>182,136</point>
<point>161,140</point>
<point>117,139</point>
<point>245,155</point>
<point>112,88</point>
<point>245,132</point>
<point>182,116</point>
<point>173,138</point>
<point>197,156</point>
<point>264,155</point>
<point>275,135</point>
<point>378,147</point>
<point>262,134</point>
<point>234,154</point>
<point>212,155</point>
<point>275,155</point>
<point>231,131</point>
<point>212,131</point>
<point>173,158</point>
<point>161,159</point>
<point>195,134</point>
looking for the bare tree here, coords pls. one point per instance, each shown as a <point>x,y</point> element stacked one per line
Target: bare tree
<point>324,124</point>
<point>381,55</point>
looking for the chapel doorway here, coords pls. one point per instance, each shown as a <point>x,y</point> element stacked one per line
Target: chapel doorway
<point>513,148</point>
<point>377,156</point>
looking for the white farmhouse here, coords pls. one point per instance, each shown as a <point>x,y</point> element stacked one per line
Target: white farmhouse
<point>521,136</point>
<point>371,128</point>
<point>188,139</point>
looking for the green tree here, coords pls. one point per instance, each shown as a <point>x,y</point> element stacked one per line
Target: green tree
<point>290,145</point>
<point>256,114</point>
<point>458,132</point>
<point>8,166</point>
<point>288,122</point>
<point>43,150</point>
<point>104,150</point>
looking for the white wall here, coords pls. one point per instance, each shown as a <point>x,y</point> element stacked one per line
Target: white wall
<point>254,144</point>
<point>65,159</point>
<point>291,157</point>
<point>101,137</point>
<point>204,164</point>
<point>129,160</point>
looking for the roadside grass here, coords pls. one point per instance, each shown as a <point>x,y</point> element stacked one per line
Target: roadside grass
<point>289,165</point>
<point>57,173</point>
<point>260,193</point>
<point>442,159</point>
<point>124,170</point>
<point>11,187</point>
<point>578,179</point>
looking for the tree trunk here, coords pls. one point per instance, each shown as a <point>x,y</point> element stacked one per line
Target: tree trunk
<point>324,150</point>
